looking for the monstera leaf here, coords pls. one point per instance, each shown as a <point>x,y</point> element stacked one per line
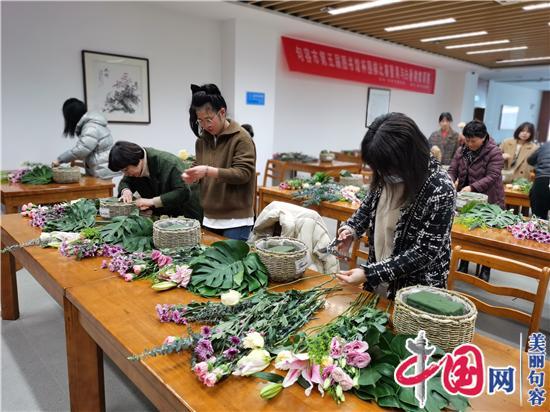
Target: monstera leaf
<point>226,265</point>
<point>132,232</point>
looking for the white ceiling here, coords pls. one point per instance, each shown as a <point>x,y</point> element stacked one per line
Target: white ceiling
<point>534,77</point>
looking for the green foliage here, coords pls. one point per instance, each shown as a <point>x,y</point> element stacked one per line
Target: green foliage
<point>524,185</point>
<point>227,265</point>
<point>483,215</point>
<point>38,175</point>
<point>77,216</point>
<point>133,232</point>
<point>314,195</point>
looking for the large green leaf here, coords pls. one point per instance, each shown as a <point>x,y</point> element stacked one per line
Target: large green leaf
<point>227,265</point>
<point>369,376</point>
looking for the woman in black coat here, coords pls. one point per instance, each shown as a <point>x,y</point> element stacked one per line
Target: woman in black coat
<point>407,214</point>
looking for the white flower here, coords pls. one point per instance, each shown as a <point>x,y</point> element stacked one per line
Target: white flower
<point>306,185</point>
<point>183,154</point>
<point>45,237</point>
<point>253,340</point>
<point>283,359</point>
<point>255,361</point>
<point>318,184</point>
<point>231,298</point>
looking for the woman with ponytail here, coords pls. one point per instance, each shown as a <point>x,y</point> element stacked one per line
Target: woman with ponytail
<point>225,165</point>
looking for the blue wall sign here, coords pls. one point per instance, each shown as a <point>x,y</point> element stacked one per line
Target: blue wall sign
<point>255,98</point>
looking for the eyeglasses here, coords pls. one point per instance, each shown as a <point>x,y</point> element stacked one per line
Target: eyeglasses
<point>207,121</point>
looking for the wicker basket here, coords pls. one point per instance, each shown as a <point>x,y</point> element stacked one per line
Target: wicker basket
<point>326,157</point>
<point>353,180</point>
<point>110,207</point>
<point>462,198</point>
<point>283,267</point>
<point>164,236</point>
<point>447,332</point>
<point>66,174</point>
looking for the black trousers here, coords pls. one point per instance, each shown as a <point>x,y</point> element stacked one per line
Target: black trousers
<point>540,197</point>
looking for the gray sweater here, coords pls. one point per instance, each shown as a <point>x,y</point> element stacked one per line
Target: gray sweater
<point>541,160</point>
<point>93,146</point>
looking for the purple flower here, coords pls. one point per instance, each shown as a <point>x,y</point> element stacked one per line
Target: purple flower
<point>206,331</point>
<point>327,371</point>
<point>231,353</point>
<point>163,312</point>
<point>235,340</point>
<point>204,349</point>
<point>103,264</point>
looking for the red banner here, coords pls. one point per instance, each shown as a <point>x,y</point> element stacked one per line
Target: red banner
<point>321,60</point>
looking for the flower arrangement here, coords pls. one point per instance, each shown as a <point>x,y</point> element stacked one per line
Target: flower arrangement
<point>354,353</point>
<point>242,334</point>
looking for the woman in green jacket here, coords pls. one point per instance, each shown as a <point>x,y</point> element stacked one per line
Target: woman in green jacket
<point>155,176</point>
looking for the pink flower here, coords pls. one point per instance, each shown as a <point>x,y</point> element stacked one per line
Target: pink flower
<point>201,369</point>
<point>128,277</point>
<point>182,276</point>
<point>342,378</point>
<point>24,208</point>
<point>137,269</point>
<point>358,359</point>
<point>155,254</point>
<point>327,371</point>
<point>164,260</point>
<point>104,264</point>
<point>356,346</point>
<point>169,340</point>
<point>210,379</point>
<point>335,348</point>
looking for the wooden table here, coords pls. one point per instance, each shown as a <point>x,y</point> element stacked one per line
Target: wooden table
<point>16,194</point>
<point>120,318</point>
<point>347,157</point>
<point>515,198</point>
<point>54,273</point>
<point>331,168</point>
<point>493,241</point>
<point>104,314</point>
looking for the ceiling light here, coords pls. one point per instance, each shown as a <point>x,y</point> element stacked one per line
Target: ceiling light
<point>537,6</point>
<point>527,59</point>
<point>497,50</point>
<point>360,6</point>
<point>421,24</point>
<point>455,36</point>
<point>485,43</point>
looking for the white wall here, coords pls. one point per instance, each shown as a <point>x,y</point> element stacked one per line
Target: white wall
<point>41,67</point>
<point>498,94</point>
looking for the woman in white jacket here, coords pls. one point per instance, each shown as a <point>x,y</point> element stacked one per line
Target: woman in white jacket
<point>94,139</point>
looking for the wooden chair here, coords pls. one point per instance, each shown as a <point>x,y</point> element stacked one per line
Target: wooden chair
<point>509,266</point>
<point>357,252</point>
<point>274,169</point>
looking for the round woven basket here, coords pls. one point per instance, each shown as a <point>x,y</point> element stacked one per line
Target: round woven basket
<point>326,157</point>
<point>447,332</point>
<point>176,232</point>
<point>66,174</point>
<point>111,207</point>
<point>353,180</point>
<point>462,198</point>
<point>283,267</point>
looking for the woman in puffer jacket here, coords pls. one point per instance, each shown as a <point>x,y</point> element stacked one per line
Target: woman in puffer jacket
<point>94,139</point>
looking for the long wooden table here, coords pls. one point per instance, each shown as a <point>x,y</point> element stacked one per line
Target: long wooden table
<point>515,198</point>
<point>121,320</point>
<point>51,270</point>
<point>16,194</point>
<point>104,314</point>
<point>493,241</point>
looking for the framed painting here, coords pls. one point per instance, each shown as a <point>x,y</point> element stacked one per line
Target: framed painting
<point>117,86</point>
<point>378,103</point>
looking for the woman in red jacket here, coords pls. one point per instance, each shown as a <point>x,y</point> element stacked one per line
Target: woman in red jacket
<point>477,167</point>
